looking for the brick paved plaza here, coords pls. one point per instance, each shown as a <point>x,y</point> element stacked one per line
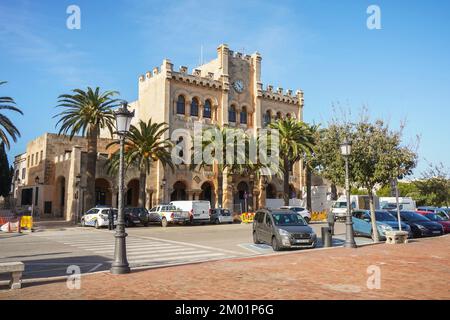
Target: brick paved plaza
<point>418,270</point>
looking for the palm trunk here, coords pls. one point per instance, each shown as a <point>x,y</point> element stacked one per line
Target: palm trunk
<point>91,167</point>
<point>219,188</point>
<point>308,188</point>
<point>142,181</point>
<point>372,216</point>
<point>334,196</point>
<point>286,181</point>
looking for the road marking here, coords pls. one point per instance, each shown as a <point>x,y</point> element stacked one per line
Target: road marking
<point>190,258</point>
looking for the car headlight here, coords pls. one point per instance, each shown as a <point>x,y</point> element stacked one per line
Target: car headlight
<point>283,233</point>
<point>385,227</point>
<point>421,227</point>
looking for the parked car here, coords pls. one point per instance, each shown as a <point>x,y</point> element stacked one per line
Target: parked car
<point>98,217</point>
<point>420,225</point>
<point>166,213</point>
<point>135,216</point>
<point>445,223</point>
<point>282,229</point>
<point>362,223</point>
<point>220,215</point>
<point>198,209</point>
<point>339,209</point>
<point>303,211</point>
<point>441,211</point>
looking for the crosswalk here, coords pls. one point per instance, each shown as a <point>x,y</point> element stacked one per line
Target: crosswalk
<point>141,251</point>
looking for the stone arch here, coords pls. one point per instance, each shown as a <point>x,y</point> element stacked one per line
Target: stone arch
<point>207,192</point>
<point>214,100</point>
<point>242,195</point>
<point>132,194</point>
<point>179,191</point>
<point>103,192</point>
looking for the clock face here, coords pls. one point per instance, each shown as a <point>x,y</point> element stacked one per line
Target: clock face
<point>238,86</point>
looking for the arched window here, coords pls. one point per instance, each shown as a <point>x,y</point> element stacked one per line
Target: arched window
<point>194,107</point>
<point>232,114</point>
<point>267,117</point>
<point>288,116</point>
<point>244,115</point>
<point>278,116</point>
<point>207,109</point>
<point>180,104</point>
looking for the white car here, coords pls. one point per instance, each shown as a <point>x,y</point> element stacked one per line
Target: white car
<point>302,211</point>
<point>339,210</point>
<point>198,209</point>
<point>165,214</point>
<point>98,217</point>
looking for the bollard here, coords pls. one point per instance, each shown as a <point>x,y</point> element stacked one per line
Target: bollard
<point>326,236</point>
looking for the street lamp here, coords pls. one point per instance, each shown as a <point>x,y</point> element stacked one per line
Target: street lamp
<point>78,185</point>
<point>120,264</point>
<point>34,199</point>
<point>346,150</point>
<point>163,187</point>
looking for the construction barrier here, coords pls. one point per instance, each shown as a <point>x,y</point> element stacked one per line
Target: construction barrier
<point>16,224</point>
<point>247,217</point>
<point>319,216</point>
<point>26,222</point>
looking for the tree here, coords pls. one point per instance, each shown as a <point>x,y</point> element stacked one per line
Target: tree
<point>295,140</point>
<point>86,113</point>
<point>434,186</point>
<point>377,157</point>
<point>5,172</point>
<point>144,144</point>
<point>6,125</point>
<point>405,189</point>
<point>310,161</point>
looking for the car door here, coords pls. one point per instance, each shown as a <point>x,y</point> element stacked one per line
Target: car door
<point>358,222</point>
<point>266,228</point>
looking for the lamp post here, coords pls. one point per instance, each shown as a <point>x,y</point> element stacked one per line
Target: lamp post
<point>163,187</point>
<point>78,185</point>
<point>34,198</point>
<point>346,149</point>
<point>120,264</point>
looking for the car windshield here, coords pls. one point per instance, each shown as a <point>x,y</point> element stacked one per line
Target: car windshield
<point>412,216</point>
<point>384,216</point>
<point>434,217</point>
<point>340,204</point>
<point>288,219</point>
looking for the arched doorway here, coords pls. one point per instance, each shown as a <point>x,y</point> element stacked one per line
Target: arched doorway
<point>132,195</point>
<point>60,197</point>
<point>271,192</point>
<point>103,196</point>
<point>207,193</point>
<point>179,191</point>
<point>242,196</point>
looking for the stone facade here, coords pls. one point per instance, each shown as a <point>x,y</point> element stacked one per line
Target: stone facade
<point>226,91</point>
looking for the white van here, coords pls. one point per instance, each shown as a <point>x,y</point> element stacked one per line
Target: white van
<point>198,209</point>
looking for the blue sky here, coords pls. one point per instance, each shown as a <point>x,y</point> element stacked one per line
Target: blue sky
<point>401,73</point>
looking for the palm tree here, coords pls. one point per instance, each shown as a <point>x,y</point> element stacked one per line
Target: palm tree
<point>310,161</point>
<point>86,113</point>
<point>144,144</point>
<point>6,125</point>
<point>217,139</point>
<point>295,140</point>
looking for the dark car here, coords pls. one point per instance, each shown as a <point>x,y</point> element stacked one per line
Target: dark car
<point>282,229</point>
<point>220,215</point>
<point>420,225</point>
<point>443,212</point>
<point>445,223</point>
<point>134,216</point>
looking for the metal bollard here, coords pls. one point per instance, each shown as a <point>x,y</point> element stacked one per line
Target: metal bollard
<point>326,237</point>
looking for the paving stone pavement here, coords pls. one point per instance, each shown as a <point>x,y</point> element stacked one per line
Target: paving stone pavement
<point>418,270</point>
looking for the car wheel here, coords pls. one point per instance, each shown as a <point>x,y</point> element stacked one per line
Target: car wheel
<point>255,238</point>
<point>146,224</point>
<point>217,221</point>
<point>96,225</point>
<point>163,222</point>
<point>275,245</point>
<point>83,224</point>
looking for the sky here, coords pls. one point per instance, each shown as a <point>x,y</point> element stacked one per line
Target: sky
<point>399,73</point>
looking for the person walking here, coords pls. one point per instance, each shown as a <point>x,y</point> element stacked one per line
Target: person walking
<point>111,219</point>
<point>331,220</point>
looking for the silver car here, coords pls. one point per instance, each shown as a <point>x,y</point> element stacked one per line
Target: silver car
<point>282,229</point>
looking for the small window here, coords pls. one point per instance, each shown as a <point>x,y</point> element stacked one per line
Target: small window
<point>267,117</point>
<point>180,104</point>
<point>207,109</point>
<point>243,116</point>
<point>194,107</point>
<point>268,221</point>
<point>232,114</point>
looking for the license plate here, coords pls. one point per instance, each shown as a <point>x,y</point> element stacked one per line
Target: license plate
<point>196,214</point>
<point>436,232</point>
<point>136,221</point>
<point>302,241</point>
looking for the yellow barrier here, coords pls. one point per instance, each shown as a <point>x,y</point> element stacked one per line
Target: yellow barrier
<point>26,222</point>
<point>247,217</point>
<point>319,216</point>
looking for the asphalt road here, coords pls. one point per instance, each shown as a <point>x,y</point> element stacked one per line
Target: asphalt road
<point>49,252</point>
